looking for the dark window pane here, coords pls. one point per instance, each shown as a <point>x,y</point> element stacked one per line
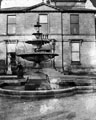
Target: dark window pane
<point>74,19</point>
<point>74,29</point>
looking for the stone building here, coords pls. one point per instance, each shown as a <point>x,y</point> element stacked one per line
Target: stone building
<point>66,21</point>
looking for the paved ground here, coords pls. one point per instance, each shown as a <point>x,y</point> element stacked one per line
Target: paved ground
<point>78,107</point>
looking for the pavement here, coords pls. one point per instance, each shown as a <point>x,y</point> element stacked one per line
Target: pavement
<point>77,107</point>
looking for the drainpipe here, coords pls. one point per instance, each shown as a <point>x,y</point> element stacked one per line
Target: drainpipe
<point>62,41</point>
<point>53,44</point>
<point>6,55</point>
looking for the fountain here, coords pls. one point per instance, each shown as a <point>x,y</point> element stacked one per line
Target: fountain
<point>37,79</point>
<point>38,84</point>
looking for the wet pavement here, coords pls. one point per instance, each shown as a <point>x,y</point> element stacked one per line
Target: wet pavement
<point>77,107</point>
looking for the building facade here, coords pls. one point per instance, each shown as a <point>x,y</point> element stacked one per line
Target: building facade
<point>66,21</point>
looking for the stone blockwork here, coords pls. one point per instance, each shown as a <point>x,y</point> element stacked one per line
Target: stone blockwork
<point>58,28</point>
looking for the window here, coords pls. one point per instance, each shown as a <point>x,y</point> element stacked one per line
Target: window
<point>75,50</point>
<point>74,24</point>
<point>43,20</point>
<point>11,25</point>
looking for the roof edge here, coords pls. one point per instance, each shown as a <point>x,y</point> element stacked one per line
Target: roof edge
<point>68,1</point>
<point>40,4</point>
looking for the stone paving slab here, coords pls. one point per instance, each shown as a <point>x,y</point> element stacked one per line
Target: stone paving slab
<point>78,107</point>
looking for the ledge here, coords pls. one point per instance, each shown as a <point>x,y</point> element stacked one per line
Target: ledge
<point>47,93</point>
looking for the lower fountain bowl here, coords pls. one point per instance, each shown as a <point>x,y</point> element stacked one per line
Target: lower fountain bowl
<point>17,89</point>
<point>39,94</point>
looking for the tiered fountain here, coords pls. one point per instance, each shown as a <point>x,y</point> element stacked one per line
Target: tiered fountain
<point>38,80</point>
<point>38,85</point>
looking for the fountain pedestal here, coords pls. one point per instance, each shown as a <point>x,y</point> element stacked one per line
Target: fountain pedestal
<point>38,81</point>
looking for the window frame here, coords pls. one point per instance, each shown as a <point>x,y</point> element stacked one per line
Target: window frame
<point>74,24</point>
<point>43,15</point>
<point>11,24</point>
<point>44,24</point>
<point>79,52</point>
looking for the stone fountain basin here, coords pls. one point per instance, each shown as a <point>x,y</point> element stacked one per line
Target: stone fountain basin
<point>70,86</point>
<point>42,94</point>
<point>38,56</point>
<point>15,88</point>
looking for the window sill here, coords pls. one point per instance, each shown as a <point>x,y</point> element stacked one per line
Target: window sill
<point>11,34</point>
<point>75,63</point>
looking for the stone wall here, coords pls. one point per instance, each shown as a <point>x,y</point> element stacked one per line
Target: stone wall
<point>88,45</point>
<point>25,27</point>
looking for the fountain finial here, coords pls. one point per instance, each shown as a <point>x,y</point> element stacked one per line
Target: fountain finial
<point>37,34</point>
<point>42,0</point>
